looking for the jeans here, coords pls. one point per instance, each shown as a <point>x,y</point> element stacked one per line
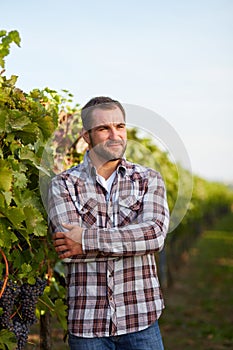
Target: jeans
<point>147,339</point>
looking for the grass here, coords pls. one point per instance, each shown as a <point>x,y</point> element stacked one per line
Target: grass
<point>199,312</point>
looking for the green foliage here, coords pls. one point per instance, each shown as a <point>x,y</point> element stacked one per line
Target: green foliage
<point>27,123</point>
<point>6,40</point>
<point>7,340</point>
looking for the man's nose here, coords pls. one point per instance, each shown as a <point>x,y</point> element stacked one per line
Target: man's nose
<point>114,134</point>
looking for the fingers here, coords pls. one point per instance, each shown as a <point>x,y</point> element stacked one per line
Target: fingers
<point>60,242</point>
<point>67,252</point>
<point>64,245</point>
<point>65,255</point>
<point>68,244</point>
<point>60,247</point>
<point>58,235</point>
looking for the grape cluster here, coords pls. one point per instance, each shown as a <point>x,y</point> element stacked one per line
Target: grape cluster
<point>21,330</point>
<point>18,304</point>
<point>29,296</point>
<point>7,303</point>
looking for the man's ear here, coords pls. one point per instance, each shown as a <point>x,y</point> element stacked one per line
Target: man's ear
<point>86,136</point>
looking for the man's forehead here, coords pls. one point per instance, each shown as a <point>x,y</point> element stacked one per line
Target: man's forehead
<point>107,117</point>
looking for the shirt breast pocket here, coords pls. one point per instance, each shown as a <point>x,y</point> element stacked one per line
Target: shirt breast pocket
<point>129,209</point>
<point>88,211</point>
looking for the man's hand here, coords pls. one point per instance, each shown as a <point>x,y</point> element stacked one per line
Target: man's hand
<point>68,243</point>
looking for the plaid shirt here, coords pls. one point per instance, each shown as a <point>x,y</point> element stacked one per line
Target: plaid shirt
<point>113,287</point>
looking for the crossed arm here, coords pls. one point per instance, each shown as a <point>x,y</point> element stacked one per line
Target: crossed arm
<point>68,243</point>
<point>146,235</point>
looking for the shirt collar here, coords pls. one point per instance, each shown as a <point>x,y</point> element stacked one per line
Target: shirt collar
<point>121,169</point>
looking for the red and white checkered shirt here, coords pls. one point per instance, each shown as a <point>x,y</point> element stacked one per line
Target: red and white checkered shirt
<point>113,287</point>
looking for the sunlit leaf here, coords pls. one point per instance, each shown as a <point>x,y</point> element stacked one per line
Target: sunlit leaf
<point>27,154</point>
<point>34,221</point>
<point>18,121</point>
<point>2,33</point>
<point>3,117</point>
<point>14,35</point>
<point>8,197</point>
<point>6,176</point>
<point>13,79</point>
<point>16,216</point>
<point>20,180</point>
<point>47,126</point>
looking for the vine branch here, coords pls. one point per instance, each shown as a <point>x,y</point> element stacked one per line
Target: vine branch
<point>6,273</point>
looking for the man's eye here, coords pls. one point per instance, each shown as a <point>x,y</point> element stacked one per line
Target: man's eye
<point>103,128</point>
<point>100,128</point>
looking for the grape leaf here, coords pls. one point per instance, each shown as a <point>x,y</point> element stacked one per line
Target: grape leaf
<point>61,312</point>
<point>20,180</point>
<point>6,176</point>
<point>7,340</point>
<point>15,37</point>
<point>16,216</point>
<point>33,219</point>
<point>27,154</point>
<point>3,117</point>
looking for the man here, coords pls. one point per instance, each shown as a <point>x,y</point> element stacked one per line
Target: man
<point>108,218</point>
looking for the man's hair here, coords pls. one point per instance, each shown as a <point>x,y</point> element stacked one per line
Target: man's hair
<point>101,102</point>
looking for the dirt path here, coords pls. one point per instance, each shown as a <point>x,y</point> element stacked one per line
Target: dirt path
<point>199,306</point>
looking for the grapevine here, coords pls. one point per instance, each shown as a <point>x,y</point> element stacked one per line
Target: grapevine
<point>27,121</point>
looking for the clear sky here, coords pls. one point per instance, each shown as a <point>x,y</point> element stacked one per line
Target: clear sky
<point>172,57</point>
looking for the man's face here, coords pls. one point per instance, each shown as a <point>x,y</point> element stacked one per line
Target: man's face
<point>107,138</point>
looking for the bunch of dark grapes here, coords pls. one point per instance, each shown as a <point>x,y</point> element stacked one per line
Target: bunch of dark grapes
<point>7,303</point>
<point>29,297</point>
<point>21,330</point>
<point>18,308</point>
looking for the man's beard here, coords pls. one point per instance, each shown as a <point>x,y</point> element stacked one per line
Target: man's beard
<point>107,153</point>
